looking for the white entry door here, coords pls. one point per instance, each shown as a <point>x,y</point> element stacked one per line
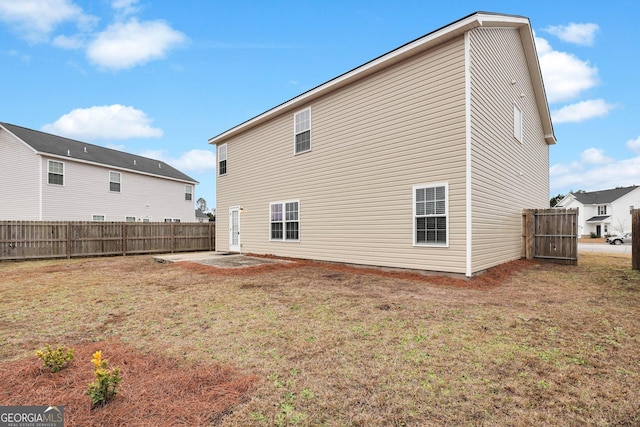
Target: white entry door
<point>234,229</point>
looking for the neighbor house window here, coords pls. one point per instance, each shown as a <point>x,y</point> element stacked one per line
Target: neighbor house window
<point>602,209</point>
<point>222,159</point>
<point>285,221</point>
<point>302,121</point>
<point>56,173</point>
<point>430,211</point>
<point>97,218</point>
<point>114,182</point>
<point>517,123</point>
<point>188,192</point>
<point>130,219</point>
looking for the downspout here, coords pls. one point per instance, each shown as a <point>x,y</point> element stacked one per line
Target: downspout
<point>467,105</point>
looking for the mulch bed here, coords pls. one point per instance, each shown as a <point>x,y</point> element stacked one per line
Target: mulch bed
<point>154,391</point>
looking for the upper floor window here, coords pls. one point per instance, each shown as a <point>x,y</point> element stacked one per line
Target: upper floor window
<point>188,192</point>
<point>517,123</point>
<point>222,159</point>
<point>602,209</point>
<point>114,182</point>
<point>302,121</point>
<point>56,172</point>
<point>430,210</point>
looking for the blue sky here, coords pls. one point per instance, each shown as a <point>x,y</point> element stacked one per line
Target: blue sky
<point>159,78</point>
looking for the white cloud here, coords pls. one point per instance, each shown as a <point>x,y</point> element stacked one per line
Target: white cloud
<point>565,75</point>
<point>104,122</point>
<point>594,171</point>
<point>35,20</point>
<point>634,145</point>
<point>582,111</point>
<point>594,156</point>
<point>194,161</point>
<point>125,45</point>
<point>125,7</point>
<point>581,34</point>
<point>69,42</point>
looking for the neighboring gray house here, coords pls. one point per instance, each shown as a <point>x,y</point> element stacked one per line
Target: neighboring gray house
<point>604,212</point>
<point>422,158</point>
<point>51,178</point>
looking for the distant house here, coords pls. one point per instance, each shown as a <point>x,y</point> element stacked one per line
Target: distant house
<point>51,178</point>
<point>603,212</point>
<point>201,216</point>
<point>423,158</point>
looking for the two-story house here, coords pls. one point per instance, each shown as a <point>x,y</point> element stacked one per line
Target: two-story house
<point>51,178</point>
<point>422,158</point>
<point>604,212</point>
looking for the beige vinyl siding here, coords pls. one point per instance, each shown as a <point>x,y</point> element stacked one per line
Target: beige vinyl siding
<point>507,176</point>
<point>86,193</point>
<point>19,192</point>
<point>372,141</point>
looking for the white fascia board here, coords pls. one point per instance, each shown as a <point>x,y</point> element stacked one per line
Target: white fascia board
<point>412,48</point>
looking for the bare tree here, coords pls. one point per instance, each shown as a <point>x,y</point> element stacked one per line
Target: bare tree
<point>201,204</point>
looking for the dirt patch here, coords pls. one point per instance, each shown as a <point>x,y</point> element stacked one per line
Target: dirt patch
<point>491,278</point>
<point>155,390</point>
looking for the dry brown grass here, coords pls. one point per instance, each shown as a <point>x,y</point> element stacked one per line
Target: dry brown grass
<point>529,344</point>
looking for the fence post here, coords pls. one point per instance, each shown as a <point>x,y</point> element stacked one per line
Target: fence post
<point>124,239</point>
<point>68,240</point>
<point>173,238</point>
<point>635,239</point>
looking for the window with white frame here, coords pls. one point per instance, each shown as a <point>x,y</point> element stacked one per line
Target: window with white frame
<point>517,123</point>
<point>130,219</point>
<point>602,209</point>
<point>302,123</point>
<point>430,211</point>
<point>56,172</point>
<point>222,159</point>
<point>285,221</point>
<point>188,192</point>
<point>97,218</point>
<point>114,182</point>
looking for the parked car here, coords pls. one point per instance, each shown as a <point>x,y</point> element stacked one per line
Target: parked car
<point>618,240</point>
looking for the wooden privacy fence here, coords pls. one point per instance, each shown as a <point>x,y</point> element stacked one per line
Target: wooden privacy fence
<point>550,234</point>
<point>65,239</point>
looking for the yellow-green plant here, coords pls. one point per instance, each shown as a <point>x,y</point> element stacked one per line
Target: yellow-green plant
<point>55,359</point>
<point>105,386</point>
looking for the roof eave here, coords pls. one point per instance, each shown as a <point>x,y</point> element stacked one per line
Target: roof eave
<point>114,167</point>
<point>480,19</point>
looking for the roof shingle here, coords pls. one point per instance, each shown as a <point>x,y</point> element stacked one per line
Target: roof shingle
<point>45,143</point>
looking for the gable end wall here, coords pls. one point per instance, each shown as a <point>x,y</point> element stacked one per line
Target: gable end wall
<point>506,176</point>
<point>19,194</point>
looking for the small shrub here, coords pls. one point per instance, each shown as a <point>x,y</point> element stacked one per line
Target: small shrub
<point>105,386</point>
<point>593,235</point>
<point>55,359</point>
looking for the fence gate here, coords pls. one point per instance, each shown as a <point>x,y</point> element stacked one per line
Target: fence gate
<point>551,234</point>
